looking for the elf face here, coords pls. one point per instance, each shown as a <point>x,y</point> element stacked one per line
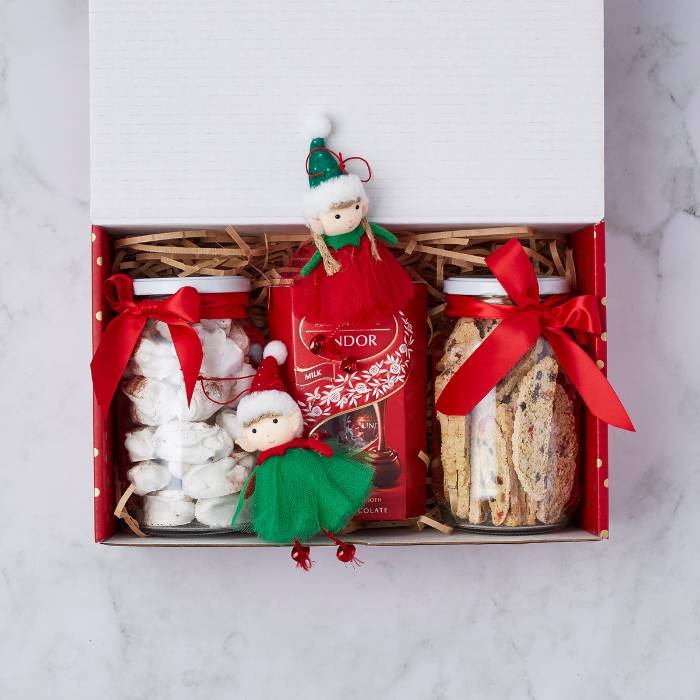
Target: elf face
<point>344,219</point>
<point>270,431</point>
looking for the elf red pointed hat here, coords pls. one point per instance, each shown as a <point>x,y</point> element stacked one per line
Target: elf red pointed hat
<point>267,396</point>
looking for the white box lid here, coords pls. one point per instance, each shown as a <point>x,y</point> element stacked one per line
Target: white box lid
<point>469,111</point>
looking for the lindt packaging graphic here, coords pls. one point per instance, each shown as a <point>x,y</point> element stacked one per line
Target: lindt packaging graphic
<point>363,384</point>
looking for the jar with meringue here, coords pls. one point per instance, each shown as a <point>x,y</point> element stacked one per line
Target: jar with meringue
<point>180,457</point>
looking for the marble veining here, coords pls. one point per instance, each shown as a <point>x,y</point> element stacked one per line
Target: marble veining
<point>619,619</point>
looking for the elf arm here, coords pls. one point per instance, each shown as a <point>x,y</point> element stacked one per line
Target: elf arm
<point>310,266</point>
<point>382,233</point>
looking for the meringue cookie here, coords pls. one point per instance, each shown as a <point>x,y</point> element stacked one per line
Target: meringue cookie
<point>153,401</point>
<point>241,386</point>
<point>155,359</point>
<point>200,407</point>
<point>222,356</point>
<point>167,508</point>
<point>207,399</point>
<point>210,480</point>
<point>209,396</point>
<point>159,330</point>
<point>191,443</point>
<point>139,444</point>
<point>218,512</point>
<point>178,469</point>
<point>245,459</point>
<point>240,472</point>
<point>148,477</point>
<point>243,463</point>
<point>226,418</point>
<point>214,324</point>
<point>240,337</point>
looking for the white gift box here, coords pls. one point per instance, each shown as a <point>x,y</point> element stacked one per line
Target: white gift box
<point>470,112</point>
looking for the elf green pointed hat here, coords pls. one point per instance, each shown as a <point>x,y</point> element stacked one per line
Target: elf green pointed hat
<point>329,183</point>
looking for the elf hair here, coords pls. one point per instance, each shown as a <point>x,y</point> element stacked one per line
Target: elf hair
<point>372,239</point>
<point>346,204</point>
<point>330,264</point>
<point>263,416</point>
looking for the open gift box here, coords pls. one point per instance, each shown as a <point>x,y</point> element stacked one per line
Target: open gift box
<point>479,114</point>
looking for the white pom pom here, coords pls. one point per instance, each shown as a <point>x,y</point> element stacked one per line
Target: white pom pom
<point>318,125</point>
<point>276,349</point>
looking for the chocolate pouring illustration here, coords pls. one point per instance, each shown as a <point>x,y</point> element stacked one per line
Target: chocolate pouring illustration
<point>384,459</point>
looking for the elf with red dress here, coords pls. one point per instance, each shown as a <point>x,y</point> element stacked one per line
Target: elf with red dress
<point>352,276</point>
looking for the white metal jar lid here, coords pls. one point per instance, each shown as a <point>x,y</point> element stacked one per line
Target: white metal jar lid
<point>160,286</point>
<point>491,287</point>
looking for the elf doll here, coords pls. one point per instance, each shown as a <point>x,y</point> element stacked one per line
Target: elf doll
<point>351,276</point>
<point>300,486</point>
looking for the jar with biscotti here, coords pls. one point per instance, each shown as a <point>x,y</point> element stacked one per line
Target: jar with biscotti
<point>512,463</point>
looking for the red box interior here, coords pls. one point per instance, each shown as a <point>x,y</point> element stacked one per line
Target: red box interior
<point>589,255</point>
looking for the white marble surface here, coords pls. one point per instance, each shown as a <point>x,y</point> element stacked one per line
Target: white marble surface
<point>618,619</point>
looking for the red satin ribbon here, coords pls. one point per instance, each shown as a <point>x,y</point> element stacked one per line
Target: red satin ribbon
<point>521,325</point>
<point>305,443</point>
<point>179,311</point>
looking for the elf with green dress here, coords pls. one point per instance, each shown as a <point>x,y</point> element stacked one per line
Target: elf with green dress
<point>300,487</point>
<point>351,276</point>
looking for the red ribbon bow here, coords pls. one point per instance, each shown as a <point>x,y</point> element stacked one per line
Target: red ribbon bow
<point>179,311</point>
<point>521,325</point>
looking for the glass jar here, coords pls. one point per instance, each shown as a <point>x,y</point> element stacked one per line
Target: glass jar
<point>512,464</point>
<point>181,459</point>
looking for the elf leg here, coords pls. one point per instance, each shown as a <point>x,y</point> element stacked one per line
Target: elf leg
<point>345,552</point>
<point>300,554</point>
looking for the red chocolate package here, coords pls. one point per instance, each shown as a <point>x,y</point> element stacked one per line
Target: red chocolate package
<point>365,386</point>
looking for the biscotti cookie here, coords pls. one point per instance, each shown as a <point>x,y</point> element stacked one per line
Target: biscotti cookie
<point>463,483</point>
<point>448,443</point>
<point>454,452</point>
<point>507,387</point>
<point>532,425</point>
<point>532,506</point>
<point>562,450</point>
<point>460,344</point>
<point>517,509</point>
<point>523,508</point>
<point>454,430</point>
<point>485,326</point>
<point>499,482</point>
